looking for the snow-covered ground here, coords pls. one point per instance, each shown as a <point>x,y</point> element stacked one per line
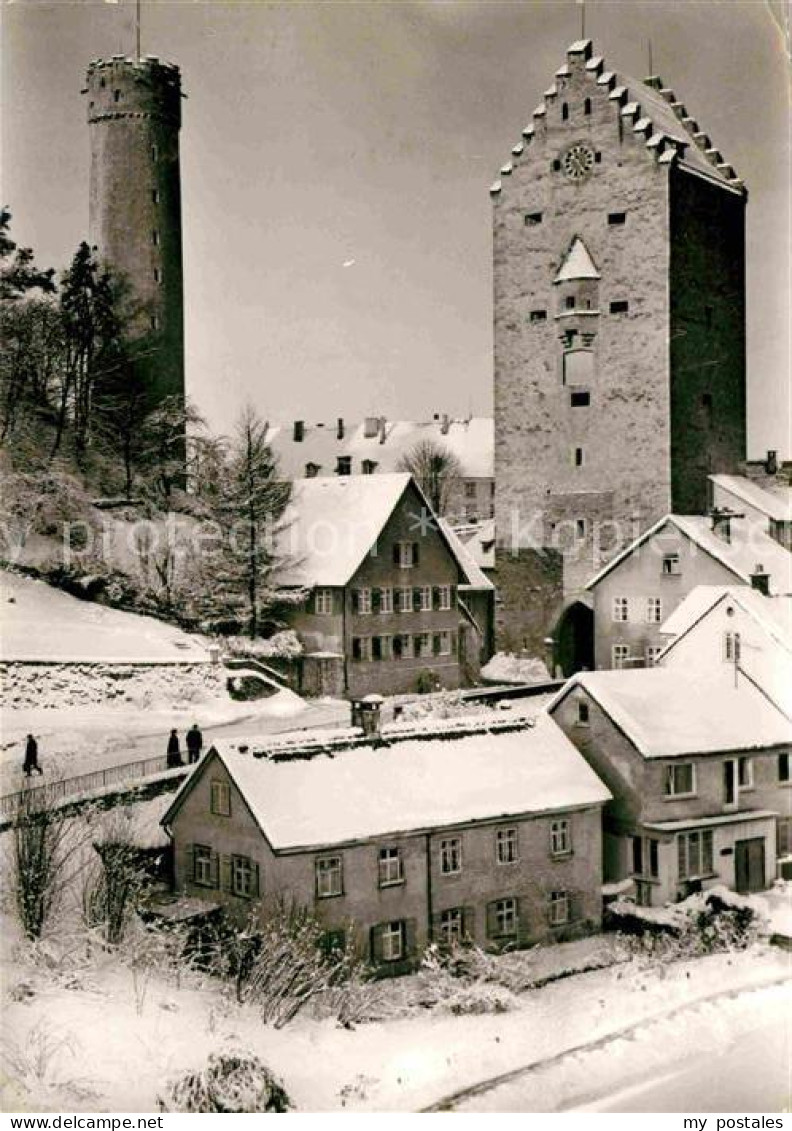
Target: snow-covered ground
<point>624,1023</point>
<point>41,622</point>
<point>506,667</point>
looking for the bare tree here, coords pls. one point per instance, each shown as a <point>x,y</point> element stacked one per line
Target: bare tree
<point>436,470</point>
<point>46,855</point>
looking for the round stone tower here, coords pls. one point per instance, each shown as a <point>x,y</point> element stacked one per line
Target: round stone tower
<point>134,116</point>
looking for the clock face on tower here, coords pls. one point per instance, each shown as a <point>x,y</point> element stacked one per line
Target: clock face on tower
<point>578,161</point>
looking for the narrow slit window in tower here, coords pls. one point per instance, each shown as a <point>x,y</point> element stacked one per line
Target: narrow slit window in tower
<point>587,106</point>
<point>565,110</point>
<point>578,457</point>
<point>155,238</point>
<point>116,96</point>
<point>155,197</point>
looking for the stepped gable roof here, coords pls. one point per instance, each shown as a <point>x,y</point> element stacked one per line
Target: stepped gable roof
<point>577,263</point>
<point>423,781</point>
<point>747,549</point>
<point>667,714</point>
<point>668,131</point>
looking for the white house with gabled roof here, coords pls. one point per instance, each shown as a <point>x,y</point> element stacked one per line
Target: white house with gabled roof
<point>767,503</point>
<point>435,832</point>
<point>636,592</point>
<point>699,773</point>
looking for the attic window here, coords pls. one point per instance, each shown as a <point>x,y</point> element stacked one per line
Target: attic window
<point>564,110</point>
<point>617,218</point>
<point>621,306</point>
<point>538,316</point>
<point>587,106</point>
<point>533,218</point>
<point>580,400</point>
<point>583,713</point>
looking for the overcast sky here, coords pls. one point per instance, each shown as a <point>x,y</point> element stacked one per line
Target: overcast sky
<point>336,160</point>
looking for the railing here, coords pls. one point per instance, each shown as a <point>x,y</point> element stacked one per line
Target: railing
<point>64,788</point>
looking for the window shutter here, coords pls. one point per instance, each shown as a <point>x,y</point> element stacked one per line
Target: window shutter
<point>575,906</point>
<point>436,644</point>
<point>355,600</point>
<point>517,922</point>
<point>376,943</point>
<point>416,600</point>
<point>225,873</point>
<point>396,554</point>
<point>410,937</point>
<point>375,600</point>
<point>215,870</point>
<point>468,923</point>
<point>194,875</point>
<point>436,597</point>
<point>254,886</point>
<point>492,921</point>
<point>416,554</point>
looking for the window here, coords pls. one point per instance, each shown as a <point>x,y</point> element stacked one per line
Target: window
<point>442,643</point>
<point>154,153</point>
<point>646,860</point>
<point>444,597</point>
<point>586,105</point>
<point>451,856</point>
<point>424,598</point>
<point>565,111</point>
<point>157,275</point>
<point>155,238</point>
<point>470,489</point>
<point>155,196</point>
<point>506,846</point>
<point>671,566</point>
<point>220,798</point>
<point>620,609</point>
<point>203,870</point>
<point>155,322</point>
<point>244,877</point>
<point>582,713</point>
<point>343,465</point>
<point>452,926</point>
<point>680,780</point>
<point>560,838</point>
<point>384,646</point>
<point>323,602</point>
<point>745,773</point>
<point>559,908</point>
<point>556,164</point>
<point>423,642</point>
<point>361,648</point>
<point>580,527</point>
<point>368,466</point>
<point>621,306</point>
<point>538,316</point>
<point>569,302</point>
<point>731,647</point>
<point>784,836</point>
<point>533,218</point>
<point>654,610</point>
<point>329,876</point>
<point>405,600</point>
<point>116,96</point>
<point>390,867</point>
<point>617,218</point>
<point>620,655</point>
<point>578,457</point>
<point>406,554</point>
<point>502,918</point>
<point>694,854</point>
<point>783,766</point>
<point>580,400</point>
<point>651,653</point>
<point>392,942</point>
<point>312,470</point>
<point>361,599</point>
<point>385,601</point>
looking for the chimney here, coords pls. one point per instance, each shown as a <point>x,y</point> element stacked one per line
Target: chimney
<point>340,428</point>
<point>370,427</point>
<point>771,463</point>
<point>760,580</point>
<point>445,423</point>
<point>299,431</point>
<point>721,523</point>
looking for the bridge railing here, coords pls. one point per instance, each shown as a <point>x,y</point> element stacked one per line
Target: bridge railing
<point>62,789</point>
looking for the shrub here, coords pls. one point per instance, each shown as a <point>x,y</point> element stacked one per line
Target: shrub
<point>426,681</point>
<point>231,1083</point>
<point>706,923</point>
<point>46,854</point>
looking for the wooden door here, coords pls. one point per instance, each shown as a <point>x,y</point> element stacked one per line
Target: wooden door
<point>749,865</point>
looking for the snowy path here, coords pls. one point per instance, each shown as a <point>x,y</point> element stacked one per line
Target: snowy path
<point>728,1052</point>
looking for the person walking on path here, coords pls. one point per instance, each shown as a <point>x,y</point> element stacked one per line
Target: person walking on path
<point>194,743</point>
<point>31,757</point>
<point>174,753</point>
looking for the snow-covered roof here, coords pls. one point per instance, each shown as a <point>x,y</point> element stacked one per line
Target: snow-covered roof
<point>479,541</point>
<point>666,713</point>
<point>577,263</point>
<point>417,784</point>
<point>747,548</point>
<point>774,614</point>
<point>331,524</point>
<point>775,501</point>
<point>471,440</point>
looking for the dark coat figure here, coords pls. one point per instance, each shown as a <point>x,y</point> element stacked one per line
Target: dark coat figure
<point>194,743</point>
<point>174,753</point>
<point>31,757</point>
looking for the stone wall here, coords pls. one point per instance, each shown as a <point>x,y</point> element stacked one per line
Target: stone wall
<point>83,685</point>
